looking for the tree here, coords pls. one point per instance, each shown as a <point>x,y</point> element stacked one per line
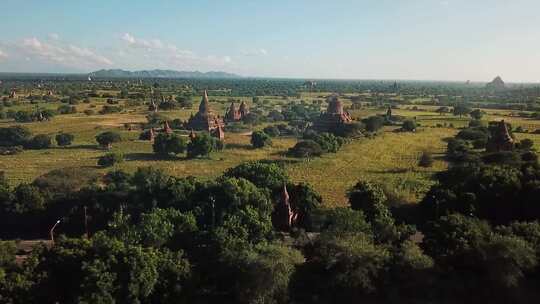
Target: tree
<point>442,110</point>
<point>461,109</point>
<point>27,198</point>
<point>304,201</point>
<point>64,139</point>
<point>40,141</point>
<point>476,114</point>
<point>306,149</point>
<point>260,274</point>
<point>373,123</point>
<point>165,144</point>
<point>341,269</point>
<point>272,131</point>
<point>106,139</point>
<point>426,160</point>
<point>262,174</point>
<point>526,144</point>
<point>14,136</point>
<point>201,145</point>
<point>260,139</point>
<point>368,198</point>
<point>338,221</point>
<point>161,225</point>
<point>409,125</point>
<point>110,159</point>
<point>486,262</point>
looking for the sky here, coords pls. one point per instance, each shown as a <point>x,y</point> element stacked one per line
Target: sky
<point>352,39</point>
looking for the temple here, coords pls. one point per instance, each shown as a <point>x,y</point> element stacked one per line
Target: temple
<point>152,135</point>
<point>218,133</point>
<point>283,217</point>
<point>500,139</point>
<point>334,116</point>
<point>205,119</point>
<point>166,128</point>
<point>233,114</point>
<point>389,113</point>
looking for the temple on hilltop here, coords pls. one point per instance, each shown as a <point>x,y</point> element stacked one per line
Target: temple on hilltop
<point>205,119</point>
<point>283,217</point>
<point>334,116</point>
<point>233,114</point>
<point>500,139</point>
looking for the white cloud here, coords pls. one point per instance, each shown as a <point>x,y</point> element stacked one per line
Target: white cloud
<point>142,43</point>
<point>68,55</point>
<point>169,55</point>
<point>255,52</point>
<point>127,37</point>
<point>3,55</point>
<point>54,36</point>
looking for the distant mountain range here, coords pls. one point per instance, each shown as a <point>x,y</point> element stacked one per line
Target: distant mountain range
<point>117,73</point>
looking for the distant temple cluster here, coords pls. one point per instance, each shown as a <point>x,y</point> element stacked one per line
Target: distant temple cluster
<point>334,116</point>
<point>234,115</point>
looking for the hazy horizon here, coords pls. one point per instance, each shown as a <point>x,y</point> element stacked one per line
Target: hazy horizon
<point>452,40</point>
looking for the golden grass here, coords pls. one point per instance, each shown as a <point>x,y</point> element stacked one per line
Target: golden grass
<point>390,158</point>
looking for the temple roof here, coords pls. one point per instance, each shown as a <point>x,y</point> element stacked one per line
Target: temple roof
<point>334,105</point>
<point>243,107</point>
<point>504,135</point>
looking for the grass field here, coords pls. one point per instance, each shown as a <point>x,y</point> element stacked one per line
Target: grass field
<point>390,158</point>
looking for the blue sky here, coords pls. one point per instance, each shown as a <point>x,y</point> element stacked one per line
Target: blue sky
<point>359,39</point>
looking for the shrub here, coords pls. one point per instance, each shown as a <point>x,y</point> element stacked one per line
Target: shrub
<point>65,109</point>
<point>64,139</point>
<point>252,119</point>
<point>89,112</point>
<point>106,139</point>
<point>409,126</point>
<point>272,131</point>
<point>306,148</point>
<point>24,116</point>
<point>110,159</point>
<point>107,109</point>
<point>526,144</point>
<point>373,123</point>
<point>40,141</point>
<point>473,134</point>
<point>10,150</point>
<point>260,139</point>
<point>165,144</point>
<point>14,136</point>
<point>201,145</point>
<point>426,160</point>
<point>328,142</point>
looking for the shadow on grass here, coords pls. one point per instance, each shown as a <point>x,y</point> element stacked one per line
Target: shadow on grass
<point>392,171</point>
<point>147,157</point>
<point>239,146</point>
<point>77,147</point>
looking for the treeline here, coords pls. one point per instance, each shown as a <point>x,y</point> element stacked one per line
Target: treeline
<point>155,238</point>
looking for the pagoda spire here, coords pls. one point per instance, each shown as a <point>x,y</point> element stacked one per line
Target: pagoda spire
<point>284,217</point>
<point>204,107</point>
